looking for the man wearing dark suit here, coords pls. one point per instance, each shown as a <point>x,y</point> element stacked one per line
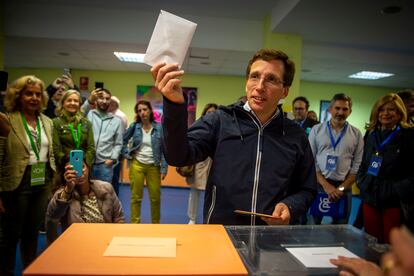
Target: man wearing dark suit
<point>300,111</point>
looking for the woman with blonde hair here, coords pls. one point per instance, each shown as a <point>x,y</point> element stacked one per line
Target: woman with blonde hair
<point>27,168</point>
<point>71,130</point>
<point>386,177</point>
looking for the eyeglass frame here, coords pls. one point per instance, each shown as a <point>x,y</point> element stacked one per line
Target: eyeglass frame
<point>266,81</point>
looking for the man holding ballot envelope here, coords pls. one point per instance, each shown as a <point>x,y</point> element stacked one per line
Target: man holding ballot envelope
<point>262,161</point>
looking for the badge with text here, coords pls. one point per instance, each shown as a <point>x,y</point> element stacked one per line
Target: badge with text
<point>331,162</point>
<point>37,175</point>
<point>375,165</point>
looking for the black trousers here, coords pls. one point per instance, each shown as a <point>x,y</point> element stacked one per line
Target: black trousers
<point>25,209</point>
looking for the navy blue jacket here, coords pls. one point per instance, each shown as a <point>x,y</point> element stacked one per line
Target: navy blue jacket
<point>394,184</point>
<point>254,167</point>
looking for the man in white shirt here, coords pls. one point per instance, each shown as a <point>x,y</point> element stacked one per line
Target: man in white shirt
<point>337,148</point>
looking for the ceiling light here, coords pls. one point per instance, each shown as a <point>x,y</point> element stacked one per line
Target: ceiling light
<point>369,75</point>
<point>130,57</point>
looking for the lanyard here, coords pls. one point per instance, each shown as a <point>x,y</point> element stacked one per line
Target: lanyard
<point>333,143</point>
<point>380,147</point>
<point>35,147</point>
<point>76,136</point>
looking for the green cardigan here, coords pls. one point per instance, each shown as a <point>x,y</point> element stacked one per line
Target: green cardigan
<point>63,141</point>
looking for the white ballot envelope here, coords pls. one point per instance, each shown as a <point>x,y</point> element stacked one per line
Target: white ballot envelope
<point>319,256</point>
<point>142,247</point>
<point>170,40</point>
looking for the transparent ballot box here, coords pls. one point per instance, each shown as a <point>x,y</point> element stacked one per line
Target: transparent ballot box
<point>263,249</point>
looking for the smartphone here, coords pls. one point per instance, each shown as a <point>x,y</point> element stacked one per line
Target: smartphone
<point>76,160</point>
<point>253,213</point>
<point>66,71</point>
<point>99,84</point>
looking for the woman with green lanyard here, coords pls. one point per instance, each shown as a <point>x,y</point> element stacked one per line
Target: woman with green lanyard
<point>27,168</point>
<point>71,130</point>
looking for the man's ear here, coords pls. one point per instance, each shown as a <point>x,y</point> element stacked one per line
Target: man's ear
<point>285,91</point>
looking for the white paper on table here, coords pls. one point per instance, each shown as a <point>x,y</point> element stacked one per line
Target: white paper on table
<point>170,39</point>
<point>142,247</point>
<point>319,256</point>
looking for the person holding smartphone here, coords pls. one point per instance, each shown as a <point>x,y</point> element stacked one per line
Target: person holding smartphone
<point>56,90</point>
<point>26,170</point>
<point>107,133</point>
<point>83,200</point>
<point>71,129</point>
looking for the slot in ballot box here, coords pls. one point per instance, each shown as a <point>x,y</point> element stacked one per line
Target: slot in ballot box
<point>200,250</point>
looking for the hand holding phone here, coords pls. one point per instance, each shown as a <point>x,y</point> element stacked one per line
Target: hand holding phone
<point>76,160</point>
<point>66,71</point>
<point>99,84</point>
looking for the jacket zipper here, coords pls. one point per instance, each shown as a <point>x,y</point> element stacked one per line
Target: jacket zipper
<point>256,173</point>
<point>260,128</point>
<point>213,202</point>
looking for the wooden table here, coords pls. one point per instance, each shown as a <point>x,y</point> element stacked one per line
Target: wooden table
<point>201,250</point>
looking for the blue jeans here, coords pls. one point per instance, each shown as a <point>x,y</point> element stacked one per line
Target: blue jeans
<point>102,172</point>
<point>115,178</point>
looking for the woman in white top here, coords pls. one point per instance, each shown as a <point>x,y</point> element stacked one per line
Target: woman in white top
<point>148,163</point>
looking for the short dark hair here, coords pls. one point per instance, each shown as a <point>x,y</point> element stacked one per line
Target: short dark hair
<point>303,99</point>
<point>342,97</point>
<point>148,104</point>
<point>271,54</point>
<point>105,90</point>
<point>406,95</point>
<point>207,107</point>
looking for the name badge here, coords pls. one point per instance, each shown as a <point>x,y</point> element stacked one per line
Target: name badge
<point>37,175</point>
<point>375,165</point>
<point>331,162</point>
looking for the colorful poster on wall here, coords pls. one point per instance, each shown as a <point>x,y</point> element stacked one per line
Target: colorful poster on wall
<point>324,114</point>
<point>149,93</point>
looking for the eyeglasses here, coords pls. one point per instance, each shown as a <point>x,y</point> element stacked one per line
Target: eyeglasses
<point>268,80</point>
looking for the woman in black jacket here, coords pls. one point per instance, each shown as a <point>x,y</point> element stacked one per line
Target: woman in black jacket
<point>385,177</point>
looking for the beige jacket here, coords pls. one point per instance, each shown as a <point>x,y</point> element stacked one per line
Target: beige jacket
<point>16,151</point>
<point>200,176</point>
<point>68,212</point>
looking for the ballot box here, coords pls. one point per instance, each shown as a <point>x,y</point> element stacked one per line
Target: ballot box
<point>266,250</point>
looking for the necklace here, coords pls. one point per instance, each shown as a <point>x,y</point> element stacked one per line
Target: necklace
<point>147,127</point>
